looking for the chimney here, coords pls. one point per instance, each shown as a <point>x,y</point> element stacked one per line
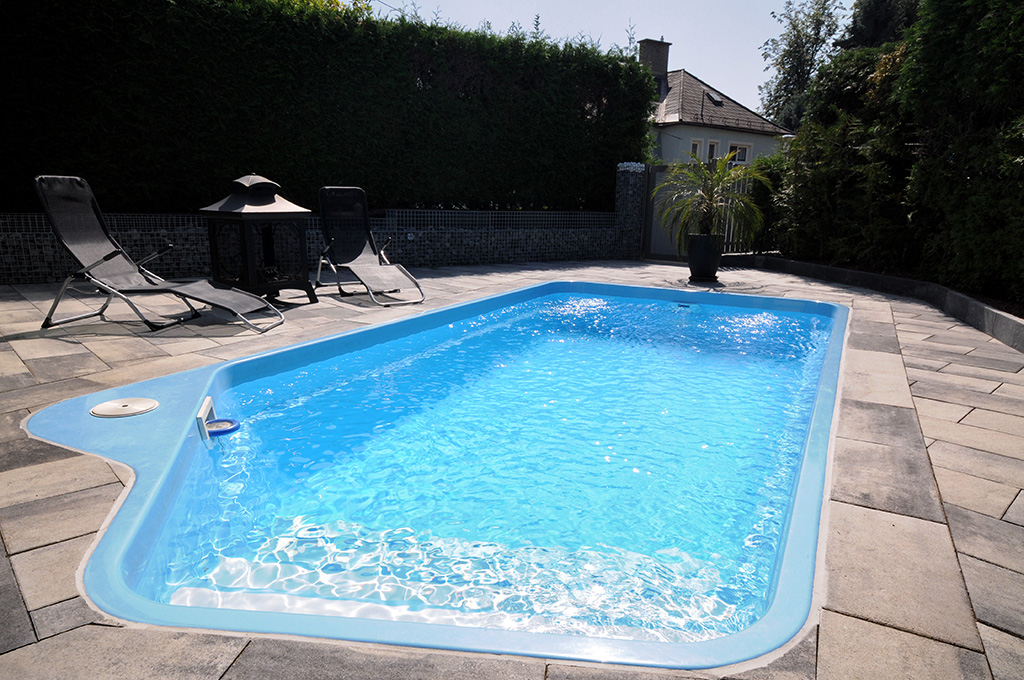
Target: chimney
<point>654,55</point>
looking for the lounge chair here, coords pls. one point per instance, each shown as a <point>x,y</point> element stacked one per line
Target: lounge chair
<point>350,245</point>
<point>78,224</point>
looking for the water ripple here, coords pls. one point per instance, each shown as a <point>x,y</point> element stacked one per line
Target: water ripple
<point>581,465</point>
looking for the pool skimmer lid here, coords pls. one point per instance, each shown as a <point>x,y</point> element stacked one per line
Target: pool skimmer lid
<point>119,408</point>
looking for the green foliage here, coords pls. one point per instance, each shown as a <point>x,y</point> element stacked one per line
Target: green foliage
<point>911,156</point>
<point>795,56</point>
<point>701,198</point>
<point>767,197</point>
<point>842,85</point>
<point>160,103</point>
<point>843,200</point>
<point>962,87</point>
<point>877,22</point>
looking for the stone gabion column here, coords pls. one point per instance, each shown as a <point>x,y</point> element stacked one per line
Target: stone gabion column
<point>630,205</point>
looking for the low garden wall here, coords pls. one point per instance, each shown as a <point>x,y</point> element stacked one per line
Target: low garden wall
<point>419,238</point>
<point>29,252</point>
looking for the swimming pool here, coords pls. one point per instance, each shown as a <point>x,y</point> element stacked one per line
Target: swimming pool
<point>121,578</point>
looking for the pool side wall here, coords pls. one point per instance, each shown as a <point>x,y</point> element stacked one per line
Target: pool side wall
<point>172,437</point>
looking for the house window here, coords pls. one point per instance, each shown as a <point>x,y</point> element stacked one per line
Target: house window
<point>695,145</point>
<point>742,152</point>
<point>712,150</point>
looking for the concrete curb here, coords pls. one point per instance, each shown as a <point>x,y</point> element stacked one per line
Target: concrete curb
<point>1004,327</point>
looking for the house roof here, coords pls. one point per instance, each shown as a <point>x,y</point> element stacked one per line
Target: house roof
<point>689,100</point>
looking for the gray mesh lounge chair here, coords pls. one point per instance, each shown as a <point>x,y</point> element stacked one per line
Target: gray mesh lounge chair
<point>346,227</point>
<point>79,226</point>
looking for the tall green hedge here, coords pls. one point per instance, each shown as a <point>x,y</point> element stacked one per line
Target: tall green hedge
<point>910,159</point>
<point>160,103</point>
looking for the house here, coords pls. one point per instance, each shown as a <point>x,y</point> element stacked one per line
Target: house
<point>694,117</point>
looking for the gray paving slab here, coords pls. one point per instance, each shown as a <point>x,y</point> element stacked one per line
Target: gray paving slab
<point>58,518</point>
<point>853,649</point>
<point>921,323</point>
<point>942,379</point>
<point>54,478</point>
<point>873,343</point>
<point>908,336</point>
<point>177,346</point>
<point>1005,653</point>
<point>798,663</point>
<point>115,351</point>
<point>63,616</point>
<point>47,575</point>
<point>961,336</point>
<point>10,426</point>
<point>965,370</point>
<point>863,321</point>
<point>923,364</point>
<point>971,359</point>
<point>43,348</point>
<point>52,369</point>
<point>1002,469</point>
<point>928,347</point>
<point>987,538</point>
<point>973,437</point>
<point>995,401</point>
<point>997,350</point>
<point>1012,391</point>
<point>1015,514</point>
<point>271,658</point>
<point>95,651</point>
<point>894,479</point>
<point>876,377</point>
<point>14,372</point>
<point>897,571</point>
<point>21,451</point>
<point>996,593</point>
<point>569,671</point>
<point>148,368</point>
<point>993,420</point>
<point>16,630</point>
<point>941,409</point>
<point>975,493</point>
<point>880,423</point>
<point>45,394</point>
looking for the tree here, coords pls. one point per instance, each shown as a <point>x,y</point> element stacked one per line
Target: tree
<point>877,22</point>
<point>701,198</point>
<point>961,83</point>
<point>796,55</point>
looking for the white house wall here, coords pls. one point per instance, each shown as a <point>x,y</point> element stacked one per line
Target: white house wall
<point>674,142</point>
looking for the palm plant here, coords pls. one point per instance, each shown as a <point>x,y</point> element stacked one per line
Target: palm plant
<point>701,198</point>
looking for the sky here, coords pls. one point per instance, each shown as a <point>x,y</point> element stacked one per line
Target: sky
<point>718,41</point>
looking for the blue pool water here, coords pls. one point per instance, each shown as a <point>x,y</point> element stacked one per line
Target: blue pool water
<point>550,470</point>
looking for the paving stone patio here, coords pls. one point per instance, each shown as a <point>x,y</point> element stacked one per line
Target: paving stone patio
<point>921,573</point>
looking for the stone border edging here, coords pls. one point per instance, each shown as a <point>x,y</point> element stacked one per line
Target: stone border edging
<point>1004,327</point>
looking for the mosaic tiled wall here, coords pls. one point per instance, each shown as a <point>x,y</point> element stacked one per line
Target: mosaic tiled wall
<point>31,254</point>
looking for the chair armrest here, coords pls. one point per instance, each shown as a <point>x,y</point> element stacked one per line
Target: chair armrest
<point>381,257</point>
<point>327,248</point>
<point>109,256</point>
<point>154,255</point>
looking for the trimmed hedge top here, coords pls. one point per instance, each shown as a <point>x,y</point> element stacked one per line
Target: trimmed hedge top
<point>161,103</point>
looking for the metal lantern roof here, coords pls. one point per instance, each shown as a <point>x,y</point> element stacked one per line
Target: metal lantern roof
<point>254,194</point>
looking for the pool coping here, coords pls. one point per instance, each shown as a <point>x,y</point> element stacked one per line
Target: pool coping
<point>766,635</point>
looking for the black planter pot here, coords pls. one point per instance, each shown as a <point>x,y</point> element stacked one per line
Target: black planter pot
<point>703,253</point>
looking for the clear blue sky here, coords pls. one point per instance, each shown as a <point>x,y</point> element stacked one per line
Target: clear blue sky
<point>718,41</point>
